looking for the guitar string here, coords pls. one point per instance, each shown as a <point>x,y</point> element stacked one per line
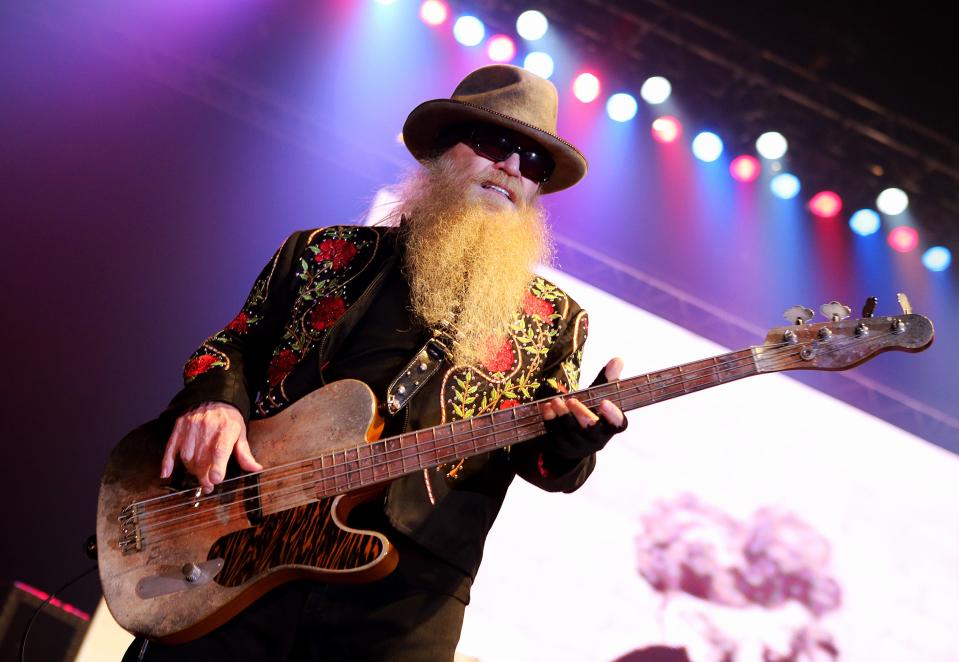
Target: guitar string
<point>373,465</point>
<point>612,388</point>
<point>684,378</point>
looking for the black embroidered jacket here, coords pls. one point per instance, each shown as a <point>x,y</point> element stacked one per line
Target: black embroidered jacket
<point>316,288</point>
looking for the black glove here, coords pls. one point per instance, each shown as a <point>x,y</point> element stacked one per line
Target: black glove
<point>570,441</point>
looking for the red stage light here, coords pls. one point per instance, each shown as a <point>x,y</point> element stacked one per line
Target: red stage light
<point>666,129</point>
<point>903,239</point>
<point>825,204</point>
<point>586,87</point>
<point>434,12</point>
<point>501,49</point>
<point>744,168</point>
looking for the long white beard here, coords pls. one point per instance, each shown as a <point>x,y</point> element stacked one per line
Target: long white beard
<point>466,258</point>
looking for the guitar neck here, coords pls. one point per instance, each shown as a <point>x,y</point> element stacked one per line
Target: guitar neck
<point>386,459</point>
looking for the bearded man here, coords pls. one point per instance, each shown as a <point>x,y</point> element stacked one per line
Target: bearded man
<point>444,319</point>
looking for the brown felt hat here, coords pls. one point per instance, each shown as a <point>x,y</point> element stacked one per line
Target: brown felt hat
<point>507,96</point>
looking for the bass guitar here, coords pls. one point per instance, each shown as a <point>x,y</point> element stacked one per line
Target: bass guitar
<point>175,563</point>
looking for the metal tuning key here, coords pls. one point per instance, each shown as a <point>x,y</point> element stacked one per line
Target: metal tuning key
<point>869,308</point>
<point>904,303</point>
<point>835,311</point>
<point>798,315</point>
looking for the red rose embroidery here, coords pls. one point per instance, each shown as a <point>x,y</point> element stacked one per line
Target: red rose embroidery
<point>198,365</point>
<point>506,404</point>
<point>338,251</point>
<point>239,323</point>
<point>326,311</point>
<point>499,359</point>
<point>535,306</point>
<point>281,365</point>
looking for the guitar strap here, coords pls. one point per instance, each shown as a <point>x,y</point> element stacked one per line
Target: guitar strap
<point>423,366</point>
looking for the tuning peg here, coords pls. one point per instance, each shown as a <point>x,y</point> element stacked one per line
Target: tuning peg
<point>834,311</point>
<point>904,303</point>
<point>798,315</point>
<point>870,306</point>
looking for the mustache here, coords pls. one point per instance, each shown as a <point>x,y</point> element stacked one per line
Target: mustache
<point>497,178</point>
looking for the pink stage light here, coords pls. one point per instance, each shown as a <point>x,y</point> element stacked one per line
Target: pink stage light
<point>744,168</point>
<point>501,48</point>
<point>434,12</point>
<point>586,87</point>
<point>666,129</point>
<point>825,204</point>
<point>903,239</point>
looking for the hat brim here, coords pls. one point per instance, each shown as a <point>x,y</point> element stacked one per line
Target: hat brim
<point>427,122</point>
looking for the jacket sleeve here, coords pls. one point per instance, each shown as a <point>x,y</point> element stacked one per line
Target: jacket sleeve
<point>533,460</point>
<point>231,364</point>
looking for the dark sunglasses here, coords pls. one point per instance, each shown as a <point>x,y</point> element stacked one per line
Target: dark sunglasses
<point>497,145</point>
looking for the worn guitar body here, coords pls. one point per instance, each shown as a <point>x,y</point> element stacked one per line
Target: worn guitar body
<point>250,544</point>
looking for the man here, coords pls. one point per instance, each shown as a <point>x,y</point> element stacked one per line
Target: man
<point>443,318</point>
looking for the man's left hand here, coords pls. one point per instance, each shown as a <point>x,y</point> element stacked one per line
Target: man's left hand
<point>591,431</point>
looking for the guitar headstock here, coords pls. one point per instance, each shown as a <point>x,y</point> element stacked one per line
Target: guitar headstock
<point>841,343</point>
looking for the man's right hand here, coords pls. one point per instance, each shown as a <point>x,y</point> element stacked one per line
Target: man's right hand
<point>204,438</point>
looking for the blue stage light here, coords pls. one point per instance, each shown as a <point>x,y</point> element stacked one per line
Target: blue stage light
<point>539,63</point>
<point>771,145</point>
<point>865,222</point>
<point>622,107</point>
<point>655,90</point>
<point>469,30</point>
<point>531,25</point>
<point>785,186</point>
<point>707,146</point>
<point>937,258</point>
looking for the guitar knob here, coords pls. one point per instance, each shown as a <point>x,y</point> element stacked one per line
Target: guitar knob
<point>869,308</point>
<point>191,572</point>
<point>798,315</point>
<point>835,311</point>
<point>904,303</point>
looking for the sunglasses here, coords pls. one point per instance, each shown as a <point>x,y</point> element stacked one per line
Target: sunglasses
<point>497,145</point>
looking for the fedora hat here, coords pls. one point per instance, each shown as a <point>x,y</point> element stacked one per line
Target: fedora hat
<point>506,96</point>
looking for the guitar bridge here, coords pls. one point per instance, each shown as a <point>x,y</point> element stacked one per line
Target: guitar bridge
<point>130,539</point>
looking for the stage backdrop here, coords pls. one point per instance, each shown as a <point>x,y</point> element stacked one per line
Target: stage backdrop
<point>759,517</point>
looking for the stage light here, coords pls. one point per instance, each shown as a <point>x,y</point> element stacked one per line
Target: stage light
<point>744,168</point>
<point>865,222</point>
<point>434,12</point>
<point>771,145</point>
<point>385,2</point>
<point>655,90</point>
<point>586,87</point>
<point>785,186</point>
<point>501,48</point>
<point>622,107</point>
<point>825,204</point>
<point>892,201</point>
<point>531,25</point>
<point>469,30</point>
<point>707,146</point>
<point>937,258</point>
<point>903,238</point>
<point>539,63</point>
<point>666,129</point>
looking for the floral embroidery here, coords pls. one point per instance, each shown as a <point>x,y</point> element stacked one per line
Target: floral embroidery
<point>240,323</point>
<point>326,311</point>
<point>281,365</point>
<point>533,305</point>
<point>499,359</point>
<point>202,363</point>
<point>338,252</point>
<point>506,404</point>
